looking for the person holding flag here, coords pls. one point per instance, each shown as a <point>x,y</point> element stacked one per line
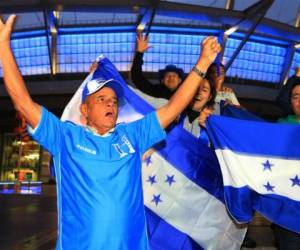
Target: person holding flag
<point>98,166</point>
<point>287,239</point>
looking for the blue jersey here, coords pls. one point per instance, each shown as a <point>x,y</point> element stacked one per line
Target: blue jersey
<point>99,188</point>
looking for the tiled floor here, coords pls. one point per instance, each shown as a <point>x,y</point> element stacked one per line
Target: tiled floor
<point>28,222</point>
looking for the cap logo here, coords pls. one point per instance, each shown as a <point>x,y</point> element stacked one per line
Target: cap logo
<point>94,84</point>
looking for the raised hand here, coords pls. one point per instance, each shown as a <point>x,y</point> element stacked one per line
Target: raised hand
<point>209,49</point>
<point>6,29</point>
<point>142,43</point>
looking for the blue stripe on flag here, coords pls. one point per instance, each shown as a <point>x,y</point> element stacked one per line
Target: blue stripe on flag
<point>243,202</point>
<point>164,236</point>
<point>262,138</point>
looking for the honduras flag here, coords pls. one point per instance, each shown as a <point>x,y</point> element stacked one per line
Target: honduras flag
<point>182,182</point>
<point>260,165</point>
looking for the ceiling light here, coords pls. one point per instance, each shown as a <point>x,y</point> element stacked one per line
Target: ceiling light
<point>297,45</point>
<point>231,30</point>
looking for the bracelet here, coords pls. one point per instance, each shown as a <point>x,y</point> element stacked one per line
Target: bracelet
<point>198,72</point>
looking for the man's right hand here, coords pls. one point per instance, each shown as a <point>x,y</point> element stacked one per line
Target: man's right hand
<point>142,43</point>
<point>6,29</point>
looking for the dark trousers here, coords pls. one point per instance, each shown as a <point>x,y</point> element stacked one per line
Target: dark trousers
<point>286,239</point>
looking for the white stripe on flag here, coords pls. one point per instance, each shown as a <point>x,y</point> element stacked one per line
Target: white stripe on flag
<point>241,170</point>
<point>188,207</point>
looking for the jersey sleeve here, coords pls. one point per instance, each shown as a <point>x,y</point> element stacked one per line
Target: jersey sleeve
<point>48,132</point>
<point>147,131</point>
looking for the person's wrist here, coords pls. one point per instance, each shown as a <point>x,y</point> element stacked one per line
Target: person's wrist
<point>203,64</point>
<point>200,73</point>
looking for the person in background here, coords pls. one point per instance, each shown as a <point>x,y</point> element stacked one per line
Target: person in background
<point>191,118</point>
<point>217,77</point>
<point>283,98</point>
<point>100,198</point>
<point>286,239</point>
<point>202,102</point>
<point>294,98</point>
<point>170,77</point>
<point>225,94</point>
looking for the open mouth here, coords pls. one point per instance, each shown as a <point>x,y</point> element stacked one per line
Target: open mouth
<point>109,114</point>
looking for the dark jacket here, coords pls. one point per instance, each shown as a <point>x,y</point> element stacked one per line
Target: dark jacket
<point>143,84</point>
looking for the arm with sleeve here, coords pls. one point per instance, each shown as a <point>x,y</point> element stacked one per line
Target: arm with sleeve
<point>140,81</point>
<point>147,131</point>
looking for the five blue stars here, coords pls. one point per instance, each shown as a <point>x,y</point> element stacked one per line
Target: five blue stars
<point>296,181</point>
<point>156,199</point>
<point>269,187</point>
<point>151,179</point>
<point>170,179</point>
<point>267,165</point>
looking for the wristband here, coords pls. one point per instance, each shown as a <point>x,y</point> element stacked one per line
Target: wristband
<point>198,72</point>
